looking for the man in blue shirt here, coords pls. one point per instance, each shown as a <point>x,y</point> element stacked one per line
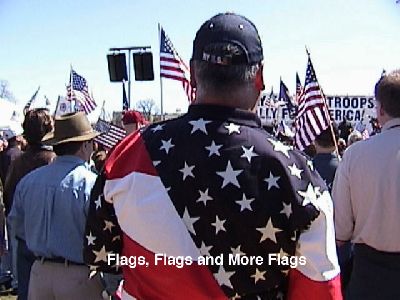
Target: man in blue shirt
<point>49,212</point>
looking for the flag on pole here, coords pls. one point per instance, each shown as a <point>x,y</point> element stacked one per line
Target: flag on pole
<point>30,101</point>
<point>78,91</point>
<point>110,134</point>
<point>63,106</point>
<point>312,116</point>
<point>173,67</point>
<point>125,102</point>
<point>299,89</point>
<point>285,97</point>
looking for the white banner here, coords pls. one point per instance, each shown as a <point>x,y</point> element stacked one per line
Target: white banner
<point>354,108</point>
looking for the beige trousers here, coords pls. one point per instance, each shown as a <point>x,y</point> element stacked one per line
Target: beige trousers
<point>55,281</point>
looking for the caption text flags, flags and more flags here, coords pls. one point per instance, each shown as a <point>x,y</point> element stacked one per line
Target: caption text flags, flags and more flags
<point>30,101</point>
<point>285,97</point>
<point>172,65</point>
<point>312,115</point>
<point>110,134</point>
<point>78,91</point>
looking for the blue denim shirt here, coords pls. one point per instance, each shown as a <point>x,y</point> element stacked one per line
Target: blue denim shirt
<point>50,208</point>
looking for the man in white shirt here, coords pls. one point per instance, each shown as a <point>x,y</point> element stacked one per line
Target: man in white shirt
<point>366,194</point>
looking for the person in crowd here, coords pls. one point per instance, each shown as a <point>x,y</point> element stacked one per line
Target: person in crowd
<point>49,212</point>
<point>326,162</point>
<point>37,123</point>
<point>213,183</point>
<point>354,136</point>
<point>344,128</point>
<point>326,159</point>
<point>342,145</point>
<point>13,150</point>
<point>366,194</point>
<point>133,120</point>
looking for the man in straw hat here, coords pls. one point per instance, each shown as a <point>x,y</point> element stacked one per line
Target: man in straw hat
<point>49,212</point>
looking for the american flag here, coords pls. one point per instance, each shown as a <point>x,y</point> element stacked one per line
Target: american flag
<point>30,101</point>
<point>209,186</point>
<point>299,89</point>
<point>110,134</point>
<point>312,116</point>
<point>173,67</point>
<point>79,93</point>
<point>285,97</point>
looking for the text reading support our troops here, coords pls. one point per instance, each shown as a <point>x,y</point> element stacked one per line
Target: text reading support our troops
<point>161,259</point>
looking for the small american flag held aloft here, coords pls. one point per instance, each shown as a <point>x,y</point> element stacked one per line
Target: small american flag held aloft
<point>110,134</point>
<point>173,67</point>
<point>312,116</point>
<point>79,93</point>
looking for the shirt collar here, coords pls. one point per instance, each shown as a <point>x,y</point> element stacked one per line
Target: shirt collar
<point>224,113</point>
<point>391,123</point>
<point>69,159</point>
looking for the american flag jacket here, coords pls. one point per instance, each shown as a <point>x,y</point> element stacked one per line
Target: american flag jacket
<point>210,206</point>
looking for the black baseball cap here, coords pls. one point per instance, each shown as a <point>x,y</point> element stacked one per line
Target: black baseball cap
<point>215,38</point>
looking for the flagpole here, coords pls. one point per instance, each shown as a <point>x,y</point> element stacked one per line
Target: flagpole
<point>72,90</point>
<point>161,86</point>
<point>329,117</point>
<point>57,104</point>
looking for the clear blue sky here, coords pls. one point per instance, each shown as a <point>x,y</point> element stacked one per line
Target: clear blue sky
<point>350,41</point>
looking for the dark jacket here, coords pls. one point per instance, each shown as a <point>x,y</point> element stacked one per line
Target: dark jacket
<point>34,157</point>
<point>11,153</point>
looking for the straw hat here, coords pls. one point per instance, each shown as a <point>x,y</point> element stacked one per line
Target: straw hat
<point>72,127</point>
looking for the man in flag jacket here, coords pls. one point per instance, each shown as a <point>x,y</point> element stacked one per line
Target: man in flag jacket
<point>209,205</point>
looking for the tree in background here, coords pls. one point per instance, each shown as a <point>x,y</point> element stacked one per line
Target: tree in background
<point>5,92</point>
<point>147,107</point>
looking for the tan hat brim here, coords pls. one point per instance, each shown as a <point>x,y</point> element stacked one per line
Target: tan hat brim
<point>50,140</point>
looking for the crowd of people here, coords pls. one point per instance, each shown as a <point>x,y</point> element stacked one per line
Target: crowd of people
<point>210,183</point>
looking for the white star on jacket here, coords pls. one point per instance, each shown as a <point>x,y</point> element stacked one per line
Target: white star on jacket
<point>287,209</point>
<point>108,225</point>
<point>166,145</point>
<point>199,124</point>
<point>245,203</point>
<point>205,250</point>
<point>101,255</point>
<point>309,195</point>
<point>229,175</point>
<point>157,128</point>
<point>237,251</point>
<point>259,275</point>
<point>272,181</point>
<point>187,171</point>
<point>219,225</point>
<point>90,238</point>
<point>295,171</point>
<point>223,277</point>
<point>269,231</point>
<point>232,128</point>
<point>248,153</point>
<point>204,197</point>
<point>213,149</point>
<point>98,202</point>
<point>189,221</point>
<point>278,146</point>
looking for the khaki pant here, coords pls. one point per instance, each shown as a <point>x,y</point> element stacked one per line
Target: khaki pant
<point>56,281</point>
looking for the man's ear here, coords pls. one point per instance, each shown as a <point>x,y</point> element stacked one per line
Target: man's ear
<point>193,83</point>
<point>260,79</point>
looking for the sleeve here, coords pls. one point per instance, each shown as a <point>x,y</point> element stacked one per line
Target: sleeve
<point>317,276</point>
<point>9,186</point>
<point>16,215</point>
<point>102,233</point>
<point>344,218</point>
